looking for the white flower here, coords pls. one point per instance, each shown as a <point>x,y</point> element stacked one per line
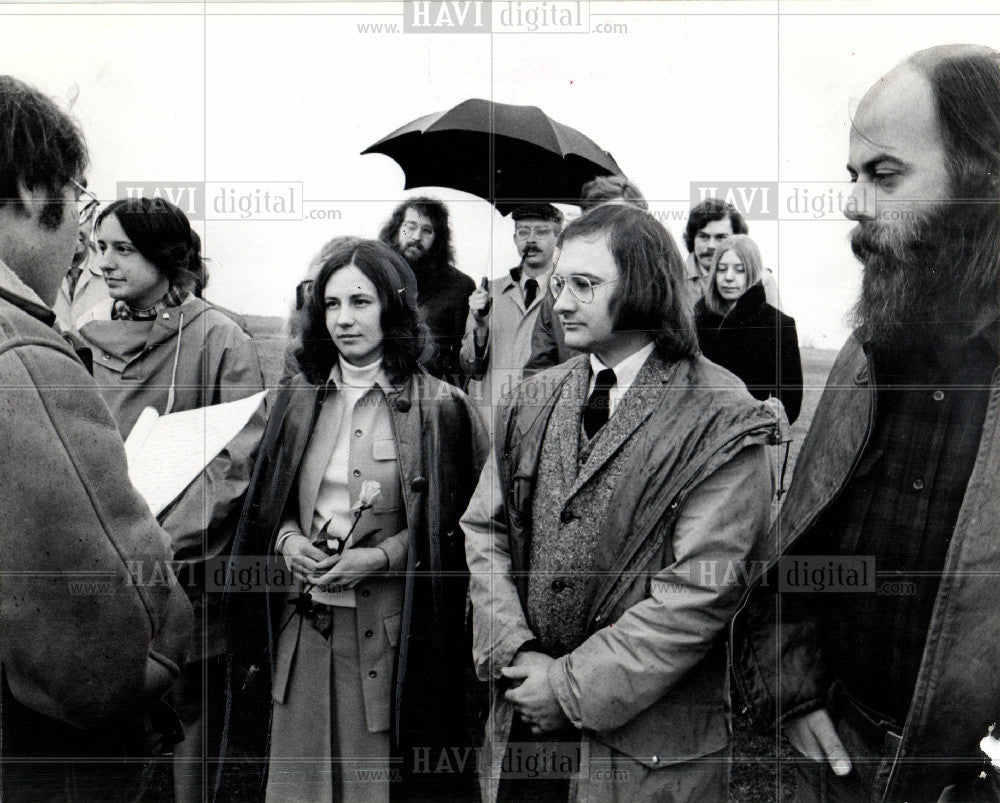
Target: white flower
<point>370,491</point>
<point>991,746</point>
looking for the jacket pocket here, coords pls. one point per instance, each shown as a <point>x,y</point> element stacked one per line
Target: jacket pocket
<point>393,623</point>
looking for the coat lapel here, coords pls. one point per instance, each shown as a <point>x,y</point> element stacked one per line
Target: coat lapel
<point>634,408</point>
<point>567,417</point>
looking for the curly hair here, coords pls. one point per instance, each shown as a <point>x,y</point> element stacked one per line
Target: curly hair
<point>650,295</point>
<point>40,146</point>
<point>163,235</point>
<point>441,252</point>
<point>403,335</point>
<point>709,210</point>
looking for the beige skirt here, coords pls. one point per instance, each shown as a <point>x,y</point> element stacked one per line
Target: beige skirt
<point>321,749</point>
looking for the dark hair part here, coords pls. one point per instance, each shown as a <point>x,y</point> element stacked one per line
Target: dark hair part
<point>604,189</point>
<point>650,295</point>
<point>40,146</point>
<point>708,211</point>
<point>403,336</point>
<point>163,235</point>
<point>441,252</point>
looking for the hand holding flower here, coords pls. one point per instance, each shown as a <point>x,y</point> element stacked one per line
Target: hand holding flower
<point>339,572</point>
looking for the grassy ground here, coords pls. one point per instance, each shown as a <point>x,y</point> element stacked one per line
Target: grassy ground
<point>758,758</point>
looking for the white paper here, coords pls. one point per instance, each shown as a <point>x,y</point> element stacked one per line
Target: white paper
<point>166,453</point>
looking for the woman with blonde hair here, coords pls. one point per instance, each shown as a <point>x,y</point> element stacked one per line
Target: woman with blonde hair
<point>740,331</point>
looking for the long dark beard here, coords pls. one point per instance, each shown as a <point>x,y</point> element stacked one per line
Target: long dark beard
<point>927,281</point>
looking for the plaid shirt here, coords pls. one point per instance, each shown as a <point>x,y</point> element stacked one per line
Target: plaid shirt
<point>901,506</point>
<point>121,311</point>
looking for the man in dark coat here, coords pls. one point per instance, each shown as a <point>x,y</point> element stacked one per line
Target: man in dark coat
<point>419,230</point>
<point>889,686</point>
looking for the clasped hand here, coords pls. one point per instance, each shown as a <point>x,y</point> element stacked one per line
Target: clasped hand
<point>312,566</point>
<point>533,698</point>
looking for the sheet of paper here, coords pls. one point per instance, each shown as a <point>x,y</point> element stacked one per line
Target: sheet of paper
<point>166,453</point>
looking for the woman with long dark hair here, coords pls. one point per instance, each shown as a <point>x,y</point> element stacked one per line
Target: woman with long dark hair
<point>156,344</point>
<point>740,331</point>
<point>367,465</point>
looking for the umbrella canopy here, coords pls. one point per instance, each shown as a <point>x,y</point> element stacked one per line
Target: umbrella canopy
<point>506,154</point>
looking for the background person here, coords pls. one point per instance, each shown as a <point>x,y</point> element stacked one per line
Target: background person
<point>709,223</point>
<point>156,345</point>
<point>740,331</point>
<point>374,664</point>
<point>498,334</point>
<point>419,231</point>
<point>83,288</point>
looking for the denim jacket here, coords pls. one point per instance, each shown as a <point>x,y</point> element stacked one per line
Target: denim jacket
<point>958,687</point>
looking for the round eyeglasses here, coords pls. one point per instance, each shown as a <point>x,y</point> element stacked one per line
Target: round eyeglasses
<point>582,287</point>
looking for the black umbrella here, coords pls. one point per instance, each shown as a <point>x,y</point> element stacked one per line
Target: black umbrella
<point>506,154</point>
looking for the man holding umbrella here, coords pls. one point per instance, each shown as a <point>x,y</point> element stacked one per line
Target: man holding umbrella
<point>497,340</point>
<point>418,229</point>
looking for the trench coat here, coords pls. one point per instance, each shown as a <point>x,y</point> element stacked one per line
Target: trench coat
<point>441,446</point>
<point>214,362</point>
<point>650,679</point>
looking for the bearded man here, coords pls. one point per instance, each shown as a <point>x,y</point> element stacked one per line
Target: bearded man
<point>419,231</point>
<point>889,692</point>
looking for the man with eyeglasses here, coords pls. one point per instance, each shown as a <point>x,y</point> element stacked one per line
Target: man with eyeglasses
<point>84,287</point>
<point>419,231</point>
<point>87,650</point>
<point>497,340</point>
<point>628,492</point>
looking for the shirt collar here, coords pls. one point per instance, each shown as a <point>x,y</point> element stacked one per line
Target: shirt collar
<point>122,311</point>
<point>627,370</point>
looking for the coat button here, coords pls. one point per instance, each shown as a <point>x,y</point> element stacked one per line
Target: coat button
<point>558,585</point>
<point>655,760</point>
<point>366,592</point>
<point>357,473</point>
<point>567,516</point>
<point>166,316</point>
<point>107,357</point>
<point>369,633</point>
<point>918,485</point>
<point>938,395</point>
<point>358,433</point>
<point>403,405</point>
<point>419,485</point>
<point>373,674</point>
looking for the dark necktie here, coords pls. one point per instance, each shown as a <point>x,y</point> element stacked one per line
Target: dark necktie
<point>530,291</point>
<point>74,275</point>
<point>597,411</point>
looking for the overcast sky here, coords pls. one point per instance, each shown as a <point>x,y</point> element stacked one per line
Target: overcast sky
<point>679,92</point>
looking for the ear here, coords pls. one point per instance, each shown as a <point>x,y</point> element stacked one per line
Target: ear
<point>32,200</point>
